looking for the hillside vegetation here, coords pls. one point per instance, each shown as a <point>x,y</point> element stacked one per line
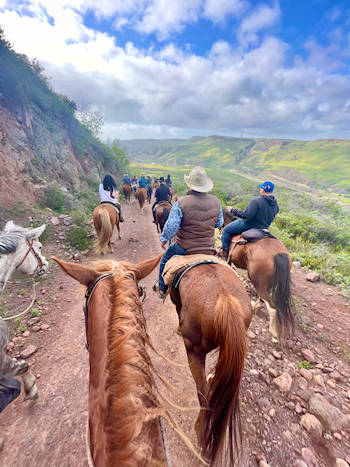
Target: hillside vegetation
<point>322,163</point>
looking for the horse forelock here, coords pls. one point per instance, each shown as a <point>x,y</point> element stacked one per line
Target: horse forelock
<point>130,382</point>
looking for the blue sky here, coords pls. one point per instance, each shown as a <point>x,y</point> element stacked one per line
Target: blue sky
<point>178,68</point>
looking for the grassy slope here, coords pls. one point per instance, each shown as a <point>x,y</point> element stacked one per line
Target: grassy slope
<point>324,163</point>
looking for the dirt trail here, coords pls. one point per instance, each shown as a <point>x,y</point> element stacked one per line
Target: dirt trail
<point>51,431</point>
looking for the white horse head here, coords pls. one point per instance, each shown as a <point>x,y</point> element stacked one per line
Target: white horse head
<point>20,249</point>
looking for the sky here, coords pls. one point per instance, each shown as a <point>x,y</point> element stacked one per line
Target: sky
<point>182,68</point>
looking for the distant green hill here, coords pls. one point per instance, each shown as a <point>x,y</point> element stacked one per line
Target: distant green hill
<point>321,163</point>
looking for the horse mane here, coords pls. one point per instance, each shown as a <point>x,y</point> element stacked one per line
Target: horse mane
<point>130,384</point>
<point>9,240</point>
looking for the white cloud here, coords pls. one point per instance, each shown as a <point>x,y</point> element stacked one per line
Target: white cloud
<point>218,10</point>
<point>259,19</point>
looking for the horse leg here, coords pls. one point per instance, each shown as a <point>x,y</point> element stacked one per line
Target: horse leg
<point>118,227</point>
<point>197,366</point>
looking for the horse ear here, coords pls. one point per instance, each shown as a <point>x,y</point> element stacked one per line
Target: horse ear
<point>80,273</point>
<point>35,233</point>
<point>9,226</point>
<point>142,270</point>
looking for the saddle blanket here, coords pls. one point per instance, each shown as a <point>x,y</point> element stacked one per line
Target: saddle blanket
<point>178,262</point>
<point>163,203</point>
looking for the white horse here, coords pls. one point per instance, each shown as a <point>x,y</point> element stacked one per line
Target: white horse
<point>20,250</point>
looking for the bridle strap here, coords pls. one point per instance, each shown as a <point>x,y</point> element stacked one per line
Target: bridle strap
<point>31,249</point>
<point>91,290</point>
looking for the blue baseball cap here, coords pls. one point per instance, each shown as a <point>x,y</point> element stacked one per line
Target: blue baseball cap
<point>267,186</point>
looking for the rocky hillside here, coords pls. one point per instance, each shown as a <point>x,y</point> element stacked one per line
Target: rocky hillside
<point>322,163</point>
<point>41,141</point>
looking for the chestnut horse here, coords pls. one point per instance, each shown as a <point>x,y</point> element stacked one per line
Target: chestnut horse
<point>268,264</point>
<point>127,192</point>
<point>215,311</point>
<point>123,426</point>
<point>162,213</point>
<point>105,217</point>
<point>141,195</point>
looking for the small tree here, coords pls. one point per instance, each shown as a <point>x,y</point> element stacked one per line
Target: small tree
<point>120,156</point>
<point>92,120</point>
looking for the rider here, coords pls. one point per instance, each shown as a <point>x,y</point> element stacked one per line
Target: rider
<point>162,194</point>
<point>149,186</point>
<point>126,179</point>
<point>134,182</point>
<point>193,220</point>
<point>168,180</point>
<point>107,194</point>
<point>142,181</point>
<point>259,214</point>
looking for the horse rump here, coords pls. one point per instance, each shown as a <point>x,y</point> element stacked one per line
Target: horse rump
<point>281,295</point>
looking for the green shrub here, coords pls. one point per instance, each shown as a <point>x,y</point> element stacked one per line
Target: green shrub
<point>304,364</point>
<point>35,312</point>
<point>77,237</point>
<point>79,218</point>
<point>54,199</point>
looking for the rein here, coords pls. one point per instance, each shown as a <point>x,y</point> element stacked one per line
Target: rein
<point>91,290</point>
<point>37,257</point>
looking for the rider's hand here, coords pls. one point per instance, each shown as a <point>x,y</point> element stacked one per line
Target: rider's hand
<point>228,208</point>
<point>163,245</point>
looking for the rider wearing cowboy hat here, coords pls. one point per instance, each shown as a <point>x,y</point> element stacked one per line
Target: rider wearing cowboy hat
<point>193,220</point>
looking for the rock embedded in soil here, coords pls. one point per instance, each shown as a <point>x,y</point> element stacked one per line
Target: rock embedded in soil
<point>312,277</point>
<point>308,355</point>
<point>331,417</point>
<point>341,463</point>
<point>33,321</point>
<point>28,351</point>
<point>306,374</point>
<point>283,382</point>
<point>312,425</point>
<point>300,463</point>
<point>251,334</point>
<point>309,457</point>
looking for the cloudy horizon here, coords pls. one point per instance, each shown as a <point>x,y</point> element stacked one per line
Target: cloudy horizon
<point>176,69</point>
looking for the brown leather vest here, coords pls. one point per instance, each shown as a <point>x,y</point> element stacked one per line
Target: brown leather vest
<point>200,214</point>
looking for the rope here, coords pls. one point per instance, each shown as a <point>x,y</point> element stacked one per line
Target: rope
<point>27,309</point>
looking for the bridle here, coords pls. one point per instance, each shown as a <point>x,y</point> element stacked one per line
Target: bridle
<point>91,290</point>
<point>31,249</point>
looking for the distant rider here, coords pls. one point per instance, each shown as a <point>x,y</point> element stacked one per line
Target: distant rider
<point>149,186</point>
<point>126,179</point>
<point>107,194</point>
<point>193,220</point>
<point>168,180</point>
<point>259,214</point>
<point>142,182</point>
<point>162,194</point>
<point>134,183</point>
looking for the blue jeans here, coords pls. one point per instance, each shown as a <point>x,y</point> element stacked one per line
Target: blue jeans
<point>174,249</point>
<point>234,228</point>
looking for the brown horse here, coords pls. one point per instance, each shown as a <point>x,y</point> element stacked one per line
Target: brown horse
<point>105,217</point>
<point>268,264</point>
<point>155,185</point>
<point>214,311</point>
<point>162,213</point>
<point>123,407</point>
<point>141,196</point>
<point>127,192</point>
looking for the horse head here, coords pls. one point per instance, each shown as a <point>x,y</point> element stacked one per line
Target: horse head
<point>20,249</point>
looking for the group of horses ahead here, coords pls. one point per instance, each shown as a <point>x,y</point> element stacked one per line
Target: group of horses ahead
<point>214,311</point>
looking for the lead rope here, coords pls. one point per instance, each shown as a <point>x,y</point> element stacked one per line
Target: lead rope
<point>27,309</point>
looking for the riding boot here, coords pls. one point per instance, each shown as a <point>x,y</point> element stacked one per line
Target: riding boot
<point>121,218</point>
<point>223,253</point>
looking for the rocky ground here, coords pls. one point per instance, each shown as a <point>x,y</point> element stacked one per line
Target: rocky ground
<point>295,399</point>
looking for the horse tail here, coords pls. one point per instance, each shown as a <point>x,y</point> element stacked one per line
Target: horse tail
<point>223,398</point>
<point>165,214</point>
<point>281,295</point>
<point>105,231</point>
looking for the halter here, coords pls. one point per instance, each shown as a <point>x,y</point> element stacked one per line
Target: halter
<point>91,290</point>
<point>37,257</point>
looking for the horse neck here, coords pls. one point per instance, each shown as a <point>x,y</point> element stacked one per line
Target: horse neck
<point>121,381</point>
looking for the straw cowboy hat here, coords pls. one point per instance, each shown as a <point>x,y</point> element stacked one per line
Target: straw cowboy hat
<point>198,180</point>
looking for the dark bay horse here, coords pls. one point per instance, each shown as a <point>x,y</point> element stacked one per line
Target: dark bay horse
<point>105,217</point>
<point>141,196</point>
<point>123,425</point>
<point>127,192</point>
<point>215,311</point>
<point>268,264</point>
<point>162,213</point>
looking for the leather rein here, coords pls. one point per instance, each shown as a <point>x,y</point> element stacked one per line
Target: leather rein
<point>31,250</point>
<point>91,290</point>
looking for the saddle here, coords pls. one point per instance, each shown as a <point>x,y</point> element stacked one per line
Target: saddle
<point>179,265</point>
<point>165,203</point>
<point>251,235</point>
